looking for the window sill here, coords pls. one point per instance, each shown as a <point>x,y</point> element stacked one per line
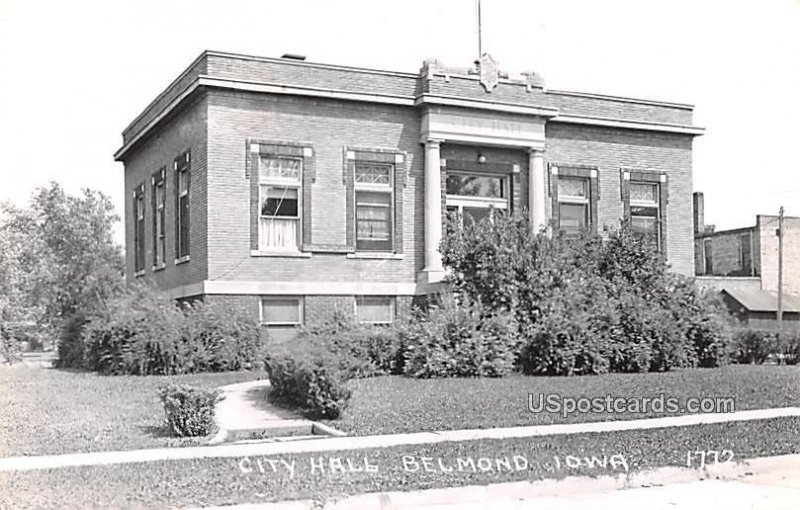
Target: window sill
<point>287,254</point>
<point>159,267</point>
<point>376,255</point>
<point>182,260</point>
<point>139,273</point>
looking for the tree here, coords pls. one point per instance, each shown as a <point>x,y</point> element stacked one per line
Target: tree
<point>59,257</point>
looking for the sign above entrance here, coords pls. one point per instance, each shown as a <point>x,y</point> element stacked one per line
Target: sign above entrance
<point>482,127</point>
<point>489,72</point>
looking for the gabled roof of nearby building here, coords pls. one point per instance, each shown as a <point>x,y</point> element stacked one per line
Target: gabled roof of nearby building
<point>763,300</point>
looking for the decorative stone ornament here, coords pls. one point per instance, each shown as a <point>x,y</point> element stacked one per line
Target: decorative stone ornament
<point>489,72</point>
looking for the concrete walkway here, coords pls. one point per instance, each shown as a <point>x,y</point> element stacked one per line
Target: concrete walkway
<point>245,413</point>
<point>366,442</point>
<point>760,483</point>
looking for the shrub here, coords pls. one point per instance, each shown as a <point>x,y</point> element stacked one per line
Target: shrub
<point>704,319</point>
<point>71,347</point>
<point>9,348</point>
<point>460,340</point>
<point>142,332</point>
<point>753,345</point>
<point>314,382</point>
<point>571,336</point>
<point>364,350</point>
<point>586,304</point>
<point>789,342</point>
<point>222,337</point>
<point>138,333</point>
<point>189,410</point>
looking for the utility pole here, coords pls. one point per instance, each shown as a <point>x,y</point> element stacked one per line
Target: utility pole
<point>780,270</point>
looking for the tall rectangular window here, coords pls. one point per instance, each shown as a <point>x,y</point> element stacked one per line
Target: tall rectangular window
<point>159,218</point>
<point>374,212</point>
<point>646,211</point>
<point>138,232</point>
<point>746,258</point>
<point>280,185</point>
<point>708,256</point>
<point>573,204</point>
<point>182,188</point>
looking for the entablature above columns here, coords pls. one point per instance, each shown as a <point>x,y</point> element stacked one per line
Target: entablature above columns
<point>461,125</point>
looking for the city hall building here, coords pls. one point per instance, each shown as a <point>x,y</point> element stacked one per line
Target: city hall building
<point>294,189</point>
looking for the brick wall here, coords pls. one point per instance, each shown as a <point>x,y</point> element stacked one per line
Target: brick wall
<point>330,126</point>
<point>726,256</point>
<point>185,131</point>
<point>609,149</point>
<point>767,226</point>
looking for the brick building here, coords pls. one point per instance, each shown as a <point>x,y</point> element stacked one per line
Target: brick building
<point>749,253</point>
<point>742,263</point>
<point>296,188</point>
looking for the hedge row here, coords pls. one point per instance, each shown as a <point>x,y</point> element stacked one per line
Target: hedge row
<point>753,345</point>
<point>141,332</point>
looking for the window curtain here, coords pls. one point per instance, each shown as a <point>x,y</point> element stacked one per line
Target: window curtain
<point>277,233</point>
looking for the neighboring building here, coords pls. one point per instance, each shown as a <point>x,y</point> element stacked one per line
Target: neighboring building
<point>742,264</point>
<point>747,257</point>
<point>757,308</point>
<point>295,189</point>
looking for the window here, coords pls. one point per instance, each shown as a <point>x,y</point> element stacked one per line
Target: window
<point>282,316</point>
<point>573,204</point>
<point>159,218</point>
<point>374,309</point>
<point>645,211</point>
<point>708,256</point>
<point>279,203</point>
<point>182,176</point>
<point>138,228</point>
<point>374,211</point>
<point>745,259</point>
<point>476,197</point>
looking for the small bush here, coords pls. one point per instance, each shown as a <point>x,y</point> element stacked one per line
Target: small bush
<point>790,346</point>
<point>754,345</point>
<point>364,350</point>
<point>9,349</point>
<point>315,382</point>
<point>71,347</point>
<point>460,340</point>
<point>189,410</point>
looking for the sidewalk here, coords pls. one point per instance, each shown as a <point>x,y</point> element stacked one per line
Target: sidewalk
<point>245,412</point>
<point>761,483</point>
<point>367,442</point>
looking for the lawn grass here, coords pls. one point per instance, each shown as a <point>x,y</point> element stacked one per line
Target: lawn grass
<point>393,404</point>
<point>221,481</point>
<point>51,411</point>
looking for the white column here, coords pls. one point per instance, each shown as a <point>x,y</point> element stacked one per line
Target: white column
<point>433,210</point>
<point>537,195</point>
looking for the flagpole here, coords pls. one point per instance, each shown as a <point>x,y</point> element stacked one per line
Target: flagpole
<point>480,45</point>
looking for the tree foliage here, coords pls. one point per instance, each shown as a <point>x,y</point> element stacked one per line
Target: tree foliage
<point>57,258</point>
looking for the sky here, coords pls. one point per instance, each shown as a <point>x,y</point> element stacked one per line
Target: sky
<point>74,74</point>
